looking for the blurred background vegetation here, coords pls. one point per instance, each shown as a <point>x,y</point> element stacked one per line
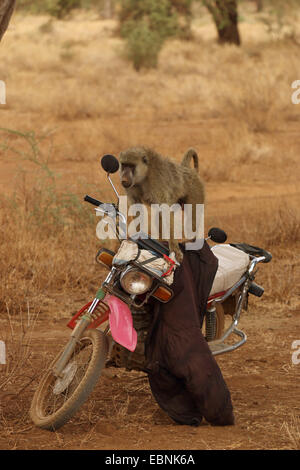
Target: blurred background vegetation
<point>74,93</point>
<point>147,24</point>
<point>87,77</point>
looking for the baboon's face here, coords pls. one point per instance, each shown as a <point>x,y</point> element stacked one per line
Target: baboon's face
<point>127,173</point>
<point>133,167</point>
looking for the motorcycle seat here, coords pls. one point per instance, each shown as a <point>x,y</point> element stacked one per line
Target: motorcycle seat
<point>232,265</point>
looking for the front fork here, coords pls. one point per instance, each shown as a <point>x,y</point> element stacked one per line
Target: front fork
<point>77,333</point>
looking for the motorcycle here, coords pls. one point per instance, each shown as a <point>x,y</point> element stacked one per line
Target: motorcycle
<point>111,329</point>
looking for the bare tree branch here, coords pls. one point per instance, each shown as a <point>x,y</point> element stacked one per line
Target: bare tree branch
<point>6,10</point>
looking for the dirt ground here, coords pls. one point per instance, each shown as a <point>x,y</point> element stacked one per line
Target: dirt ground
<point>122,414</point>
<point>250,163</point>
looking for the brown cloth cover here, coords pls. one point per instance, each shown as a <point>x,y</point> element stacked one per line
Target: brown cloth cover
<point>184,377</point>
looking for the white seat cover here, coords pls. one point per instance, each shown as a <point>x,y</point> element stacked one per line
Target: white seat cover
<point>232,265</point>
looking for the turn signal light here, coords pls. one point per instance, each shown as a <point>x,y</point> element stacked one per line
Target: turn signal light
<point>105,257</point>
<point>163,294</point>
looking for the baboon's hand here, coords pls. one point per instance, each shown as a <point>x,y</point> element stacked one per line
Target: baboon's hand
<point>173,246</point>
<point>179,255</point>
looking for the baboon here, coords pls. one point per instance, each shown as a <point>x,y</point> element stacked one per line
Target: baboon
<point>150,178</point>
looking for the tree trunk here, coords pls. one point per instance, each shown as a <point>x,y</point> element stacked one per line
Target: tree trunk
<point>225,15</point>
<point>259,5</point>
<point>108,9</point>
<point>6,10</point>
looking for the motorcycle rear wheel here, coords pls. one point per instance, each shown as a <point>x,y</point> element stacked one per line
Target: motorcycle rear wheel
<point>56,400</point>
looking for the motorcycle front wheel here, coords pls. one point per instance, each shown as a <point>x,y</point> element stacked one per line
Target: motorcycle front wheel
<point>57,399</point>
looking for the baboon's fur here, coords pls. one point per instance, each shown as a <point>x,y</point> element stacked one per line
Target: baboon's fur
<point>150,178</point>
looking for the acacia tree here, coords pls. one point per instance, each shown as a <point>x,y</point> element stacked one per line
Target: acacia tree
<point>6,10</point>
<point>225,15</point>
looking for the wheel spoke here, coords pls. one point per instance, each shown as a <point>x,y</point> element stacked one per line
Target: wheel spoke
<point>58,398</point>
<point>53,400</point>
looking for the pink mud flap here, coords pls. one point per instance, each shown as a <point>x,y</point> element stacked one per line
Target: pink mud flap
<point>121,324</point>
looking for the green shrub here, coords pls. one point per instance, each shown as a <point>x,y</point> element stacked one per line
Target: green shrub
<point>57,8</point>
<point>143,45</point>
<point>158,15</point>
<point>61,8</point>
<point>146,25</point>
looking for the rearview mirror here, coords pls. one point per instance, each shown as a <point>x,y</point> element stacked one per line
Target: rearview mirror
<point>217,235</point>
<point>109,163</point>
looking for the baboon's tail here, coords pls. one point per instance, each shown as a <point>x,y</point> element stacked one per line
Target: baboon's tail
<point>188,156</point>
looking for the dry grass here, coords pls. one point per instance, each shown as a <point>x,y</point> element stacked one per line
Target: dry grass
<point>71,101</point>
<point>17,336</point>
<point>18,374</point>
<point>292,429</point>
<point>82,100</point>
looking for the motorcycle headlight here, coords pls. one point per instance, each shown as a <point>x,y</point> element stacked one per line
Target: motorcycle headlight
<point>135,281</point>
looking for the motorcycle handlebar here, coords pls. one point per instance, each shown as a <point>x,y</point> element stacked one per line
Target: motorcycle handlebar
<point>267,256</point>
<point>93,201</point>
